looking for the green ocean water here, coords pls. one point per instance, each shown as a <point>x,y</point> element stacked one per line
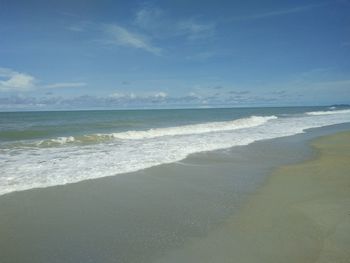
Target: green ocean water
<point>16,126</point>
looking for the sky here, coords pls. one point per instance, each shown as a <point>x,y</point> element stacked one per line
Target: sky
<point>105,54</point>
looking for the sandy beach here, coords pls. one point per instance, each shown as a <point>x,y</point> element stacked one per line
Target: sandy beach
<point>301,214</point>
<point>234,205</point>
<point>143,131</point>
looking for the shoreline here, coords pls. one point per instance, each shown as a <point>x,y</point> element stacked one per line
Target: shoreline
<point>142,216</point>
<point>300,214</point>
<point>308,134</point>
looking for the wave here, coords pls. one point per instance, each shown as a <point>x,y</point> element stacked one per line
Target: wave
<point>48,166</point>
<point>315,113</point>
<point>194,128</point>
<point>249,122</point>
<point>62,141</point>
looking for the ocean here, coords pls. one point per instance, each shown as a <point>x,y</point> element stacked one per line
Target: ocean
<point>42,149</point>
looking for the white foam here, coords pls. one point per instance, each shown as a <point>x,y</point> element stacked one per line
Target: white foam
<point>58,140</point>
<point>252,121</point>
<point>42,167</point>
<point>315,113</point>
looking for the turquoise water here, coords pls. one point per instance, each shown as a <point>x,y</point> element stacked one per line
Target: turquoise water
<point>41,149</point>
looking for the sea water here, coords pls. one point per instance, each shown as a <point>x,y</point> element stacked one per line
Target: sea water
<point>42,149</point>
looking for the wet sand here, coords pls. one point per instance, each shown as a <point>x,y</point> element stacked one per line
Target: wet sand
<point>179,212</point>
<point>301,214</point>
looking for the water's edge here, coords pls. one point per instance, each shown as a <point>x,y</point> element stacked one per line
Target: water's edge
<point>137,217</point>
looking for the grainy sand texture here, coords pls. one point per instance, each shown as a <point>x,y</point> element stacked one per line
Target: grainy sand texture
<point>302,214</point>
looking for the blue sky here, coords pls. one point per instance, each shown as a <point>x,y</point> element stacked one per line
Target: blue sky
<point>167,54</point>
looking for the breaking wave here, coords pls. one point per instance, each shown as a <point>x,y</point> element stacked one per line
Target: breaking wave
<point>117,153</point>
<point>201,128</point>
<point>194,129</point>
<point>315,113</point>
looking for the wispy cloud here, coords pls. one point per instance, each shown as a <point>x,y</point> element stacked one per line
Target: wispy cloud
<point>161,24</point>
<point>146,29</point>
<point>153,96</point>
<point>202,56</point>
<point>334,84</point>
<point>195,30</point>
<point>149,18</point>
<point>114,100</point>
<point>120,36</point>
<point>238,92</point>
<point>65,85</point>
<point>76,28</point>
<point>116,34</point>
<point>13,80</point>
<point>82,26</point>
<point>160,99</point>
<point>280,12</point>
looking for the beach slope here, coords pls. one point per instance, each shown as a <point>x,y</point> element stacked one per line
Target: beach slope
<point>301,214</point>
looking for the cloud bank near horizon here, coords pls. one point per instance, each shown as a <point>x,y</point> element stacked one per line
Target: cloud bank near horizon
<point>166,54</point>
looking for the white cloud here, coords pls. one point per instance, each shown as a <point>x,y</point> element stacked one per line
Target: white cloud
<point>280,12</point>
<point>162,25</point>
<point>132,96</point>
<point>11,80</point>
<point>122,96</point>
<point>194,95</point>
<point>160,95</point>
<point>148,17</point>
<point>65,85</point>
<point>16,81</point>
<point>81,26</point>
<point>122,37</point>
<point>116,95</point>
<point>194,30</point>
<point>114,34</point>
<point>147,25</point>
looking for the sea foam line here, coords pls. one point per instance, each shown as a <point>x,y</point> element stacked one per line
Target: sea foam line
<point>315,113</point>
<point>200,128</point>
<point>44,167</point>
<point>249,122</point>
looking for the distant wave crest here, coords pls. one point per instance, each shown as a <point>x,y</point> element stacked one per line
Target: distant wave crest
<point>314,113</point>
